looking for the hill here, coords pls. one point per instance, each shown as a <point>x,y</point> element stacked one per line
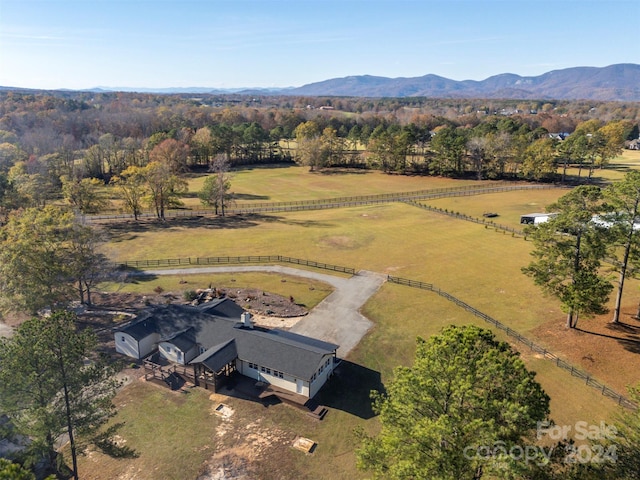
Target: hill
<point>619,82</point>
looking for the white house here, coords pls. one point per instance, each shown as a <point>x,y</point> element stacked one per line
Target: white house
<point>219,339</point>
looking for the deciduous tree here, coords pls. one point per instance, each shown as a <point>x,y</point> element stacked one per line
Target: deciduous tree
<point>215,188</point>
<point>164,187</point>
<point>132,185</point>
<point>84,194</point>
<point>40,262</point>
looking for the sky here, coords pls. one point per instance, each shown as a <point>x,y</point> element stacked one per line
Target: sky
<point>82,44</point>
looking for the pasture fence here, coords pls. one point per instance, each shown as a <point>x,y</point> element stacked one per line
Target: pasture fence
<point>575,372</point>
<point>469,218</point>
<point>339,202</point>
<point>254,259</point>
<point>248,259</point>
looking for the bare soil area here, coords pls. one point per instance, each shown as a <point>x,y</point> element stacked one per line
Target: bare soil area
<point>608,351</point>
<point>111,309</point>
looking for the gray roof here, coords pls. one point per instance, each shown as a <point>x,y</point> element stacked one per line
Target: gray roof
<point>184,340</point>
<point>213,327</point>
<point>218,356</point>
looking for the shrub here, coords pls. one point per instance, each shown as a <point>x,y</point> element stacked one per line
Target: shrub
<point>189,295</point>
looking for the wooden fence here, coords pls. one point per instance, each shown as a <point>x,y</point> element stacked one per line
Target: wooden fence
<point>249,259</point>
<point>576,372</point>
<point>339,202</point>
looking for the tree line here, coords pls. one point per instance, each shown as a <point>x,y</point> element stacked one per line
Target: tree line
<point>40,164</point>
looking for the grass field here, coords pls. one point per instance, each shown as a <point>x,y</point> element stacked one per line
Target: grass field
<point>476,264</point>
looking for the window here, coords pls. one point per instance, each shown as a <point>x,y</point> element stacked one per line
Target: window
<point>278,374</point>
<point>122,338</point>
<point>262,369</point>
<point>268,371</point>
<point>253,365</point>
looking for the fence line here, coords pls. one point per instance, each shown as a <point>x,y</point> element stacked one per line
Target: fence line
<point>340,202</point>
<point>462,216</point>
<point>576,372</point>
<point>191,261</point>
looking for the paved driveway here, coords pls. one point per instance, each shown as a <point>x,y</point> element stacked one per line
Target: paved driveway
<point>336,319</point>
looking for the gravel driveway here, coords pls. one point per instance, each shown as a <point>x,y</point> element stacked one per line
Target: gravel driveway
<point>336,319</point>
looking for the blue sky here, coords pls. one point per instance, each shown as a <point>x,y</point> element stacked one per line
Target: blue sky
<point>277,43</point>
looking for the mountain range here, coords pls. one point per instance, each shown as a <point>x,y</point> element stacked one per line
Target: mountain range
<point>620,82</point>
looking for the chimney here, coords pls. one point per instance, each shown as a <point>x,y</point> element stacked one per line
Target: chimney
<point>246,320</point>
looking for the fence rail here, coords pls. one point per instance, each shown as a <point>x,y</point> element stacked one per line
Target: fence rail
<point>576,372</point>
<point>191,261</point>
<point>339,202</point>
<point>251,259</point>
<point>462,216</point>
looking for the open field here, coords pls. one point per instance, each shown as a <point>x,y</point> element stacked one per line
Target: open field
<point>476,264</point>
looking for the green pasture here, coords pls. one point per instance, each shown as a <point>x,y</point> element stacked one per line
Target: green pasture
<point>475,263</point>
<point>403,313</point>
<point>508,205</point>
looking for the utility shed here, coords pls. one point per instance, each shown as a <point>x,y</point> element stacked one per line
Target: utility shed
<point>536,218</point>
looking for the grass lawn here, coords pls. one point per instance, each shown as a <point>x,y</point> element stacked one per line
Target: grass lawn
<point>170,432</point>
<point>474,263</point>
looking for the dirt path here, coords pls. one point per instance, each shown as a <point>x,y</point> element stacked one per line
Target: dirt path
<point>336,319</point>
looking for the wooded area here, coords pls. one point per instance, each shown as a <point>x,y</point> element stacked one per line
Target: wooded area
<point>66,144</point>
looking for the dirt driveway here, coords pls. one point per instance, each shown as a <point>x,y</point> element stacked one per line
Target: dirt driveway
<point>336,319</point>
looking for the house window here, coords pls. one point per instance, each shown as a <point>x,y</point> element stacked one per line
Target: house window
<point>253,365</point>
<point>278,374</point>
<point>122,338</point>
<point>168,349</point>
<point>202,349</point>
<point>268,371</point>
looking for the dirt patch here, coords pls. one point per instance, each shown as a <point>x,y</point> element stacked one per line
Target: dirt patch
<point>609,352</point>
<point>258,302</point>
<point>240,447</point>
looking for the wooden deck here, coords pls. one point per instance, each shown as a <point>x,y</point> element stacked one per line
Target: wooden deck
<point>312,408</point>
<point>176,376</point>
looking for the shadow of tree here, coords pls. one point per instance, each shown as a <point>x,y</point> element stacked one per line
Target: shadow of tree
<point>249,196</point>
<point>630,342</point>
<point>106,441</point>
<point>349,389</point>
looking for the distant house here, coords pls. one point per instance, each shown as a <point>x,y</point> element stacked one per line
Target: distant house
<point>634,144</point>
<point>536,218</point>
<point>218,339</point>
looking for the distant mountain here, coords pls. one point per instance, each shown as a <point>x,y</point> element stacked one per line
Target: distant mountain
<point>619,82</point>
<point>616,82</point>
